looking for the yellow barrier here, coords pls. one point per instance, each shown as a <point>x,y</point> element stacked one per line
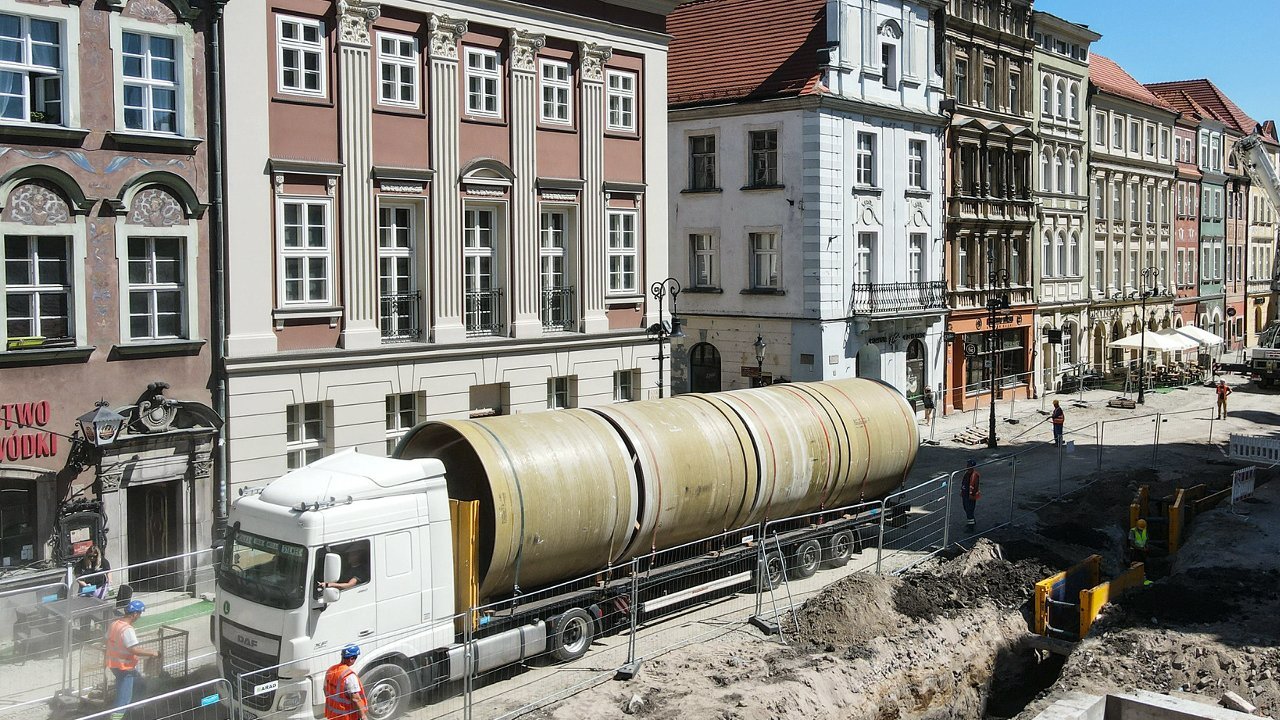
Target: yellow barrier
<point>1082,574</point>
<point>1092,599</point>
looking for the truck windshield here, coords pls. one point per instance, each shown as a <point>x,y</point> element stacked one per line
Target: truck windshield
<point>264,570</point>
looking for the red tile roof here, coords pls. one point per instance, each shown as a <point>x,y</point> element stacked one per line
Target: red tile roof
<point>1109,77</point>
<point>1215,103</point>
<point>724,50</point>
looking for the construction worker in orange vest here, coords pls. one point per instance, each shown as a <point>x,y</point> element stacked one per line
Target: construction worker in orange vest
<point>1222,391</point>
<point>122,653</point>
<point>343,692</point>
<point>1058,418</point>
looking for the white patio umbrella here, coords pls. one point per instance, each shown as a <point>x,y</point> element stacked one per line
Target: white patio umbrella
<point>1200,335</point>
<point>1153,342</point>
<point>1187,342</point>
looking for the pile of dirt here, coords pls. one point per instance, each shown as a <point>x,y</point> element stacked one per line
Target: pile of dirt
<point>967,582</point>
<point>847,613</point>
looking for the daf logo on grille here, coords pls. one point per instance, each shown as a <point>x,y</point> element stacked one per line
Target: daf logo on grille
<point>226,607</point>
<point>247,641</point>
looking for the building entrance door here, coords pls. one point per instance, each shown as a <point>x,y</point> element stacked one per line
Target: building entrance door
<point>155,532</point>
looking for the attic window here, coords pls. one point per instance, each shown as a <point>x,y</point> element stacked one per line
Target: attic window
<point>889,65</point>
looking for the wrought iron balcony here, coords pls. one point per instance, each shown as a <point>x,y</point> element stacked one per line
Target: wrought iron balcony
<point>989,208</point>
<point>399,317</point>
<point>557,308</point>
<point>484,312</point>
<point>966,298</point>
<point>889,298</point>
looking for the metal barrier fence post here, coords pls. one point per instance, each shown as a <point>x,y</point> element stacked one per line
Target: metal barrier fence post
<point>1013,484</point>
<point>635,613</point>
<point>1060,444</point>
<point>1213,413</point>
<point>1155,446</point>
<point>880,541</point>
<point>468,656</point>
<point>1097,440</point>
<point>761,572</point>
<point>946,515</point>
<point>67,625</point>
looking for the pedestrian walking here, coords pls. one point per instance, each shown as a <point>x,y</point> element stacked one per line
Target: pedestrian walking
<point>343,691</point>
<point>1138,542</point>
<point>122,653</point>
<point>1058,418</point>
<point>1223,391</point>
<point>927,402</point>
<point>969,494</point>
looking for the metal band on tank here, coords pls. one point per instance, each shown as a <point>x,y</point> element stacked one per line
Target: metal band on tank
<point>720,407</point>
<point>910,422</point>
<point>833,451</point>
<point>515,478</point>
<point>862,487</point>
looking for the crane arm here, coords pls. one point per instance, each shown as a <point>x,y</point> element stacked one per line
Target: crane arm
<point>1254,159</point>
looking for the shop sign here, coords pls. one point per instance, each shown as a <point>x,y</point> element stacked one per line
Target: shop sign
<point>20,434</point>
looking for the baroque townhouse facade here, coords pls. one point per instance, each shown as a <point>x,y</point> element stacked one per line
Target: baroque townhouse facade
<point>105,246</point>
<point>1062,189</point>
<point>807,193</point>
<point>1131,175</point>
<point>1186,209</point>
<point>1261,254</point>
<point>466,225</point>
<point>988,53</point>
<point>1235,281</point>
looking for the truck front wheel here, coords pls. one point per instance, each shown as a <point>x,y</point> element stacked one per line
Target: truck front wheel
<point>387,689</point>
<point>804,560</point>
<point>840,548</point>
<point>575,629</point>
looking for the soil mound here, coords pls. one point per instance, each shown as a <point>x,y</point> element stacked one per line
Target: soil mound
<point>848,613</point>
<point>967,582</point>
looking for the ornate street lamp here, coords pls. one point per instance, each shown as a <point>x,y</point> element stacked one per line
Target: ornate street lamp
<point>996,277</point>
<point>759,345</point>
<point>662,331</point>
<point>100,427</point>
<point>1149,277</point>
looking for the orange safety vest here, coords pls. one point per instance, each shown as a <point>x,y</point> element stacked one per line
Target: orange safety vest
<point>337,704</point>
<point>1223,392</point>
<point>119,657</point>
<point>1058,417</point>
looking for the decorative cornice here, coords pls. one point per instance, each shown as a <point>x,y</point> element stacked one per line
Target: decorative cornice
<point>593,59</point>
<point>445,34</point>
<point>524,50</point>
<point>355,17</point>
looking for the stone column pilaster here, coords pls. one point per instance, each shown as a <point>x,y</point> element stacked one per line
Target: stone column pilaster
<point>594,236</point>
<point>526,293</point>
<point>359,241</point>
<point>446,216</point>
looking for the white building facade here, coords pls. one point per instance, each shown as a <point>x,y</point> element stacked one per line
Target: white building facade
<point>468,225</point>
<point>817,226</point>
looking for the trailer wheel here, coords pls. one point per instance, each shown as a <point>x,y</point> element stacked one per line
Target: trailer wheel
<point>805,559</point>
<point>575,629</point>
<point>387,690</point>
<point>773,572</point>
<point>840,547</point>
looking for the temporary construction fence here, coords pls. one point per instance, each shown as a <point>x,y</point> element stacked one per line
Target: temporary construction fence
<point>201,701</point>
<point>1261,449</point>
<point>51,634</point>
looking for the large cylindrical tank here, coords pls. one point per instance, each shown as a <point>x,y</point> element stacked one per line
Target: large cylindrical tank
<point>567,492</point>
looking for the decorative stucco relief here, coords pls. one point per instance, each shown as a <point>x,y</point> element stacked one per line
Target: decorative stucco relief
<point>153,11</point>
<point>155,207</point>
<point>32,204</point>
<point>445,34</point>
<point>524,49</point>
<point>593,59</point>
<point>355,17</point>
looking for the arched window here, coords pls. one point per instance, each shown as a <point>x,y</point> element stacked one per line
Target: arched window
<point>1069,331</point>
<point>1073,173</point>
<point>1074,253</point>
<point>1046,172</point>
<point>1048,253</point>
<point>1060,171</point>
<point>1046,97</point>
<point>1062,98</point>
<point>1075,101</point>
<point>917,369</point>
<point>704,368</point>
<point>1062,252</point>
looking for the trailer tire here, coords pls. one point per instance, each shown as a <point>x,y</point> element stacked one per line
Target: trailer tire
<point>574,633</point>
<point>387,690</point>
<point>771,574</point>
<point>840,548</point>
<point>805,559</point>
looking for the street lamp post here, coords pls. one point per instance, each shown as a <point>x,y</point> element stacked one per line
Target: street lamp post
<point>1150,275</point>
<point>661,331</point>
<point>759,345</point>
<point>996,277</point>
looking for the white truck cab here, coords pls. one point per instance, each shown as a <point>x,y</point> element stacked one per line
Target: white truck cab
<point>383,522</point>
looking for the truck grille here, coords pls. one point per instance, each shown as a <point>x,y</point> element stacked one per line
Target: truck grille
<point>245,668</point>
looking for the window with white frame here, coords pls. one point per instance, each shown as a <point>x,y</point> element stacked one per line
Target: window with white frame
<point>889,65</point>
<point>300,46</point>
<point>1015,92</point>
<point>916,257</point>
<point>1151,141</point>
<point>764,158</point>
<point>397,70</point>
<point>1117,269</point>
<point>702,162</point>
<point>625,383</point>
<point>402,415</point>
<point>622,252</point>
<point>1073,106</point>
<point>305,251</point>
<point>484,82</point>
<point>1099,263</point>
<point>1164,143</point>
<point>483,306</point>
<point>1099,204</point>
<point>553,267</point>
<point>557,92</point>
<point>156,288</point>
<point>560,392</point>
<point>1073,253</point>
<point>1099,128</point>
<point>37,290</point>
<point>620,99</point>
<point>864,259</point>
<point>1117,133</point>
<point>397,285</point>
<point>916,164</point>
<point>1135,131</point>
<point>305,435</point>
<point>1117,201</point>
<point>704,256</point>
<point>1047,254</point>
<point>31,67</point>
<point>149,64</point>
<point>766,263</point>
<point>866,159</point>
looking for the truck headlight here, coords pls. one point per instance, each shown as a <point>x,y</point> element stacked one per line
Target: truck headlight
<point>292,700</point>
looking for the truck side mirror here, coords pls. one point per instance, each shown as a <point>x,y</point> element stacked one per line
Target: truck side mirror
<point>332,567</point>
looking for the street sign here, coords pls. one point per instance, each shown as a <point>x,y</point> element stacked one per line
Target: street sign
<point>750,371</point>
<point>970,349</point>
<point>1231,312</point>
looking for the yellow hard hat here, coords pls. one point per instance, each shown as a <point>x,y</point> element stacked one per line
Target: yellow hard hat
<point>1142,524</point>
